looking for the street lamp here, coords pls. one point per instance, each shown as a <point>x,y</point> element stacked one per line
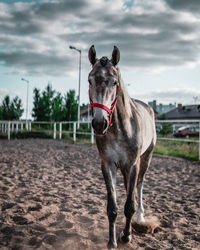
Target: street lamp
<point>23,79</point>
<point>79,81</point>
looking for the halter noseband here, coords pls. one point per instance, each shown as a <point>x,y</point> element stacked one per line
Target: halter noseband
<point>111,110</point>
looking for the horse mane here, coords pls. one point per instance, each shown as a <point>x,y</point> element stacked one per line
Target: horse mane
<point>126,99</point>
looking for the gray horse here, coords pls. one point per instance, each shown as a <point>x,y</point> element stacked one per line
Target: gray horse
<point>125,137</point>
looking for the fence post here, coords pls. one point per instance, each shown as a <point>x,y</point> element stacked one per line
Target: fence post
<point>92,135</point>
<point>9,130</point>
<point>54,130</point>
<point>21,126</point>
<point>30,126</point>
<point>4,127</point>
<point>17,126</point>
<point>74,133</point>
<point>12,126</point>
<point>60,130</point>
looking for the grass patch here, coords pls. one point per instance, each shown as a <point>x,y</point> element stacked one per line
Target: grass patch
<point>186,150</point>
<point>3,136</point>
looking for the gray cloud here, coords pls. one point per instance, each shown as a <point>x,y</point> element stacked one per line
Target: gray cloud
<point>34,37</point>
<point>185,5</point>
<point>37,64</point>
<point>56,9</point>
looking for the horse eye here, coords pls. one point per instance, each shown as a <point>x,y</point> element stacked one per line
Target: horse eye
<point>90,82</point>
<point>115,83</point>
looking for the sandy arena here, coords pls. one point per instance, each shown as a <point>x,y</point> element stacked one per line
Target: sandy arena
<point>52,196</point>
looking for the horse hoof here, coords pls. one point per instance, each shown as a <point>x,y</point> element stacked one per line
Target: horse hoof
<point>149,226</point>
<point>112,245</point>
<point>125,239</point>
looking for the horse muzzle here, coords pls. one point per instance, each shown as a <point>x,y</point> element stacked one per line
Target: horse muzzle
<point>100,126</point>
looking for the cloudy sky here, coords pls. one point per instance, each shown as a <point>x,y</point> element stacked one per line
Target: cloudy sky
<point>159,41</point>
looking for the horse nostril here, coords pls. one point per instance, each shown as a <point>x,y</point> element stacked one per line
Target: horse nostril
<point>105,125</point>
<point>99,126</point>
<point>93,123</point>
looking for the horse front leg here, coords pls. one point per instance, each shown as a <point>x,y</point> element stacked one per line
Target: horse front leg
<point>109,173</point>
<point>129,208</point>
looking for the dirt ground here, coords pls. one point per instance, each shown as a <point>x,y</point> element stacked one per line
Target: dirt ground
<point>52,196</point>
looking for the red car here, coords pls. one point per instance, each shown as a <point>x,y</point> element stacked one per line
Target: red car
<point>187,131</point>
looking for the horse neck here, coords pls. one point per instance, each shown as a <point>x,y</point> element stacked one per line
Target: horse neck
<point>125,102</point>
<point>123,112</point>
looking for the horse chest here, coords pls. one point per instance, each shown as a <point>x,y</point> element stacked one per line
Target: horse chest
<point>117,153</point>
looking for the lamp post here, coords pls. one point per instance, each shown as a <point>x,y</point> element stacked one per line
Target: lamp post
<point>23,79</point>
<point>79,81</point>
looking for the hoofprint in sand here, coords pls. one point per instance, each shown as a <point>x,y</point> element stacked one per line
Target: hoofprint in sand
<point>53,196</point>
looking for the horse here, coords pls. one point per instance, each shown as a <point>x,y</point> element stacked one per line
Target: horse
<point>125,137</point>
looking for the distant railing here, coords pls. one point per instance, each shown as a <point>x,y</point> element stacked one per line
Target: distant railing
<point>179,123</point>
<point>8,127</point>
<point>56,128</point>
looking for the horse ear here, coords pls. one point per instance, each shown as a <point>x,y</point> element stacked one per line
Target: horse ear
<point>115,56</point>
<point>92,55</point>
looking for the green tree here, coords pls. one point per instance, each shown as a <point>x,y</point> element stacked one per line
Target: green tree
<point>1,113</point>
<point>71,106</point>
<point>51,106</point>
<point>47,100</point>
<point>57,108</point>
<point>166,129</point>
<point>16,106</point>
<point>42,104</point>
<point>6,108</point>
<point>37,111</point>
<point>11,110</point>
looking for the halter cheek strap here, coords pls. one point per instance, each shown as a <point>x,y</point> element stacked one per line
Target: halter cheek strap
<point>110,111</point>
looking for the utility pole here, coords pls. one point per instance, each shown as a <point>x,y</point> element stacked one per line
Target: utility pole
<point>79,81</point>
<point>23,79</point>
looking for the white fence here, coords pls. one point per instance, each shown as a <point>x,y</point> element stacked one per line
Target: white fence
<point>56,128</point>
<point>8,127</point>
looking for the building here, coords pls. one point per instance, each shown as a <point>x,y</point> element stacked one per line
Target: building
<point>181,112</point>
<point>161,108</point>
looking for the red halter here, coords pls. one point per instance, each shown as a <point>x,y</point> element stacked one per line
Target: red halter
<point>111,110</point>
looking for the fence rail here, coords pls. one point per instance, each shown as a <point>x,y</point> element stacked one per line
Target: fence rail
<point>8,127</point>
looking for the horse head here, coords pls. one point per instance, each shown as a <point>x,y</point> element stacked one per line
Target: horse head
<point>103,88</point>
